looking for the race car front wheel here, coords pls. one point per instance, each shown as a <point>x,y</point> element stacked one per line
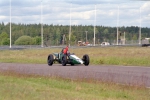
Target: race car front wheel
<point>86,59</point>
<point>50,60</point>
<point>64,60</point>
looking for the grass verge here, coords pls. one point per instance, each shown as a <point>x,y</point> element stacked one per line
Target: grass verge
<point>134,56</point>
<point>29,87</point>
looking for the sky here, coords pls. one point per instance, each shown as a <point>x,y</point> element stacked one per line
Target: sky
<point>77,12</point>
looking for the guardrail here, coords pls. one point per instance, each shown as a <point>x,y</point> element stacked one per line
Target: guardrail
<point>20,47</point>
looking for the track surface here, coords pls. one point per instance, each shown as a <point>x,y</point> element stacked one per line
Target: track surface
<point>129,75</point>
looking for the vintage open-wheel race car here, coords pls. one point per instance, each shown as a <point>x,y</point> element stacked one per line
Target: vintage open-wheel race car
<point>64,59</point>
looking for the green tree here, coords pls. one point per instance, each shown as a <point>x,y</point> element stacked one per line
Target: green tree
<point>52,33</point>
<point>134,37</point>
<point>4,40</point>
<point>106,31</point>
<point>24,40</point>
<point>37,40</point>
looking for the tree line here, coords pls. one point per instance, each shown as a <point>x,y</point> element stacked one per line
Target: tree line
<point>30,34</point>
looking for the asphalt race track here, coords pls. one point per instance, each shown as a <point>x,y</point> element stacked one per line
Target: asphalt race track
<point>128,75</point>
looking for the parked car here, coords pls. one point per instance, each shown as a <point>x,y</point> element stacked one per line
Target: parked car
<point>105,43</point>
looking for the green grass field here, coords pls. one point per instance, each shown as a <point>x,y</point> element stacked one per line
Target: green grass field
<point>29,87</point>
<point>134,56</point>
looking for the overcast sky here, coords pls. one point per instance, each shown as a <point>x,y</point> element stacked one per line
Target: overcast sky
<point>108,12</point>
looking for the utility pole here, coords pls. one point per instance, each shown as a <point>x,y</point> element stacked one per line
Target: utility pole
<point>41,25</point>
<point>94,25</point>
<point>70,26</point>
<point>86,35</point>
<point>64,39</point>
<point>117,24</point>
<point>140,28</point>
<point>124,37</point>
<point>10,24</point>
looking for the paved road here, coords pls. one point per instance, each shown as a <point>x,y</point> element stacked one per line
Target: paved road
<point>130,75</point>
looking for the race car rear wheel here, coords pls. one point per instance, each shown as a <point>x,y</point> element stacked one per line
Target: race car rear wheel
<point>50,60</point>
<point>86,59</point>
<point>64,60</point>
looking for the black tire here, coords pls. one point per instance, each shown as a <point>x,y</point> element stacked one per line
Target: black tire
<point>50,60</point>
<point>64,60</point>
<point>72,64</point>
<point>86,59</point>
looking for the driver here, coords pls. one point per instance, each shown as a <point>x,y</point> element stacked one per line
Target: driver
<point>65,51</point>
